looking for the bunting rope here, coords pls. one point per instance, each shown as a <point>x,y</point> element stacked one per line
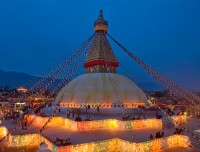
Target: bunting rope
<point>118,94</point>
<point>61,68</point>
<point>175,90</point>
<point>19,124</point>
<point>68,77</point>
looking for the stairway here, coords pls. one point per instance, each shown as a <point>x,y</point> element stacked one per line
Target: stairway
<point>194,141</point>
<point>167,123</point>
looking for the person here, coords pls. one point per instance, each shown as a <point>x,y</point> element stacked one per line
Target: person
<point>62,142</point>
<point>67,113</point>
<point>162,134</point>
<point>68,141</point>
<point>181,131</point>
<point>59,142</point>
<point>151,137</point>
<point>176,131</point>
<point>156,114</point>
<point>158,135</point>
<point>98,109</point>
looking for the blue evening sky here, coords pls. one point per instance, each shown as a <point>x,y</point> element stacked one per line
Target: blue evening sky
<point>34,34</point>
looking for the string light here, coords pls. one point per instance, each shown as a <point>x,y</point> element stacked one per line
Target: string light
<point>60,69</point>
<point>98,124</point>
<point>176,91</point>
<point>105,145</point>
<point>68,77</point>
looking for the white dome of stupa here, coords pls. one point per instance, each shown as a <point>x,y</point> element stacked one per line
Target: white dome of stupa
<point>99,89</point>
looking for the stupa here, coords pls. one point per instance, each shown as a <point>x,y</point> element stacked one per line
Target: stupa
<point>101,86</point>
<point>100,90</point>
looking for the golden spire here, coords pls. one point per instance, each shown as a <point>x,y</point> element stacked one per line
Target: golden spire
<point>101,58</point>
<point>100,24</point>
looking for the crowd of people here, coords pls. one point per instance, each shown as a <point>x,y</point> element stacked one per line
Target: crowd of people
<point>158,135</point>
<point>178,131</point>
<point>140,106</point>
<point>62,142</point>
<point>77,117</point>
<point>161,134</point>
<point>69,113</point>
<point>158,116</point>
<point>38,109</point>
<point>130,117</point>
<point>171,112</point>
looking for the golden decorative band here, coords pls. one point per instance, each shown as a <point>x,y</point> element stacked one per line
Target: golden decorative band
<point>101,28</point>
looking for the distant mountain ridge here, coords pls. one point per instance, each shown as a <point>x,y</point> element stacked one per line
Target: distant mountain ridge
<point>13,79</point>
<point>17,79</point>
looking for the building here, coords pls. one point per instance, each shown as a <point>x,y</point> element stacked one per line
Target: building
<point>101,86</point>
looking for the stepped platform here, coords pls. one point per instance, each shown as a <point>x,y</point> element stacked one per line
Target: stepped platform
<point>102,143</point>
<point>106,137</point>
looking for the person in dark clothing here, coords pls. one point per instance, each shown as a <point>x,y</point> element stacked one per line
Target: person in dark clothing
<point>162,134</point>
<point>151,137</point>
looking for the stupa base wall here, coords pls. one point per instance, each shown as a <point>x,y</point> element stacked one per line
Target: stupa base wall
<point>96,124</point>
<point>112,145</point>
